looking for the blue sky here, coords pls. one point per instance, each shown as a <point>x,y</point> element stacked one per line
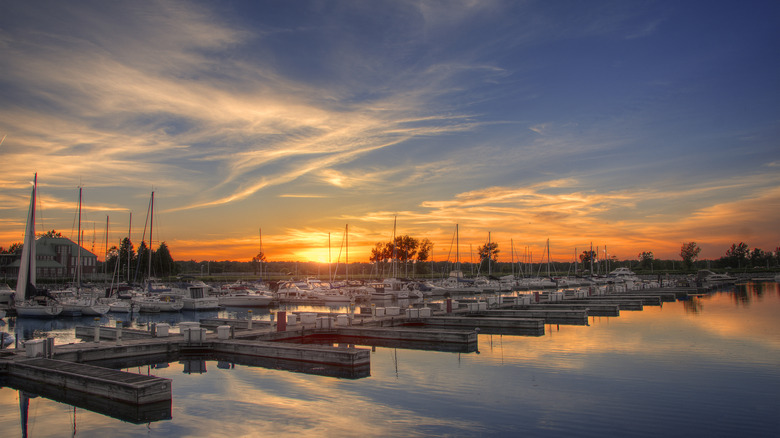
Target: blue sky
<point>633,124</point>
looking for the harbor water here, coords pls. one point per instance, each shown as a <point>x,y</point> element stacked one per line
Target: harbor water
<point>705,366</point>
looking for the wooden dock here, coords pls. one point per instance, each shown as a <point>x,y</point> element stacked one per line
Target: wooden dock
<point>550,316</point>
<point>623,304</point>
<point>72,369</point>
<point>333,356</point>
<point>593,309</point>
<point>97,381</point>
<point>527,326</point>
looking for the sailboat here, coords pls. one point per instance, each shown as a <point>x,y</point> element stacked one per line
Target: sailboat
<point>75,301</point>
<point>28,303</point>
<point>156,299</point>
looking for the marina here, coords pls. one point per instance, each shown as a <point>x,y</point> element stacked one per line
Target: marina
<point>303,344</point>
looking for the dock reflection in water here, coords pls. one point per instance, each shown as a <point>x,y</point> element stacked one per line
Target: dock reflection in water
<point>657,372</point>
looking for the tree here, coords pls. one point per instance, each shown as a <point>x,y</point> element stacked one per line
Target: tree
<point>405,248</point>
<point>12,249</point>
<point>52,233</point>
<point>258,260</point>
<point>126,258</point>
<point>488,251</point>
<point>587,256</point>
<point>426,246</point>
<point>163,260</point>
<point>758,258</point>
<point>424,252</point>
<point>378,253</point>
<point>142,261</point>
<point>15,247</point>
<point>646,259</point>
<point>737,254</point>
<point>689,252</point>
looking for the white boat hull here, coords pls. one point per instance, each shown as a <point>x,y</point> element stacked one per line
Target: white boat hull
<point>201,304</point>
<point>245,301</point>
<point>85,309</point>
<point>37,311</point>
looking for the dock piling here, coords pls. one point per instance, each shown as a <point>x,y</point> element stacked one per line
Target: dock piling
<point>119,333</point>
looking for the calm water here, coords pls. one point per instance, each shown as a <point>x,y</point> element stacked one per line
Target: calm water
<point>708,366</point>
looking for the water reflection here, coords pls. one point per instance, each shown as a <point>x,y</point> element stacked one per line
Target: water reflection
<point>657,372</point>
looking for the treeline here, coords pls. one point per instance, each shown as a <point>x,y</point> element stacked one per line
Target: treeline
<point>127,264</point>
<point>406,256</point>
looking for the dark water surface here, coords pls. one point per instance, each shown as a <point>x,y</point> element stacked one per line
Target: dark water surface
<point>707,366</point>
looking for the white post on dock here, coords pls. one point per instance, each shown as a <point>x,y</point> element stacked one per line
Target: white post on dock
<point>249,321</point>
<point>97,330</point>
<point>118,332</point>
<point>373,311</point>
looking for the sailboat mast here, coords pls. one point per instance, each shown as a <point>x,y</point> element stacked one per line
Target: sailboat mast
<point>346,237</point>
<point>129,231</point>
<point>489,254</point>
<point>105,256</point>
<point>261,254</point>
<point>590,256</point>
<point>78,239</point>
<point>512,255</point>
<point>548,257</point>
<point>395,219</point>
<point>151,227</point>
<point>457,248</point>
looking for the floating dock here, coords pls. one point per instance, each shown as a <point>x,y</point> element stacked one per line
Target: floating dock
<point>314,343</point>
<point>97,381</point>
<point>526,326</point>
<point>593,309</point>
<point>550,316</point>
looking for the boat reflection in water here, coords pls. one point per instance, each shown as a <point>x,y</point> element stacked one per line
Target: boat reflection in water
<point>656,372</point>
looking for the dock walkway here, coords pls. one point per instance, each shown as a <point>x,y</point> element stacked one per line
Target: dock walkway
<point>98,381</point>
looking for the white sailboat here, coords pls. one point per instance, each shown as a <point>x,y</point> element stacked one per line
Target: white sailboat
<point>157,298</point>
<point>77,302</point>
<point>27,303</point>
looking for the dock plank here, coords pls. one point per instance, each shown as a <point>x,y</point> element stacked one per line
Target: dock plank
<point>105,382</point>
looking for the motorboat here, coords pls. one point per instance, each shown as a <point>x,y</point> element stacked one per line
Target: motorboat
<point>622,274</point>
<point>156,303</point>
<point>715,278</point>
<point>196,296</point>
<point>332,296</point>
<point>245,298</point>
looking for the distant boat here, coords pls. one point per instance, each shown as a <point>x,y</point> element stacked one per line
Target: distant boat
<point>712,277</point>
<point>196,296</point>
<point>76,301</point>
<point>79,304</point>
<point>245,298</point>
<point>30,302</point>
<point>622,275</point>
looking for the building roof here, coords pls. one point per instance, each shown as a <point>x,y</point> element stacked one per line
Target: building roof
<point>45,245</point>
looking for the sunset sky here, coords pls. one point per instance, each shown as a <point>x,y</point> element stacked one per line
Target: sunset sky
<point>638,125</point>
